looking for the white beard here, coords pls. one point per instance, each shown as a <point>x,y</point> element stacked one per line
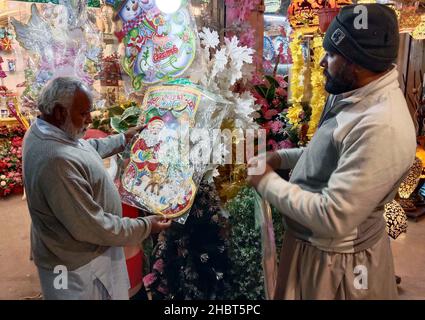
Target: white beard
<point>72,131</point>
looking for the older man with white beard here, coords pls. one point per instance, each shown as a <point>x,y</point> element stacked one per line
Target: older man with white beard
<point>77,229</point>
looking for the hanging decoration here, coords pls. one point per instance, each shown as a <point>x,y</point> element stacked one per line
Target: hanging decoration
<point>408,186</point>
<point>272,6</point>
<point>296,80</point>
<point>11,64</point>
<point>110,73</point>
<point>159,46</point>
<point>268,49</point>
<point>64,46</point>
<point>90,3</point>
<point>318,98</point>
<point>2,73</point>
<point>303,14</point>
<point>408,16</point>
<point>395,219</point>
<point>419,32</point>
<point>6,37</point>
<point>411,181</point>
<point>159,176</point>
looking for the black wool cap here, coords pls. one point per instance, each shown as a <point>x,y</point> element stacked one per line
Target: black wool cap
<point>366,35</point>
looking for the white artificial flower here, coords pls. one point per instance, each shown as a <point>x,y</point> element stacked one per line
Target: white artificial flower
<point>220,61</point>
<point>238,54</point>
<point>209,38</point>
<point>244,55</point>
<point>235,74</point>
<point>231,45</point>
<point>244,110</point>
<point>247,71</point>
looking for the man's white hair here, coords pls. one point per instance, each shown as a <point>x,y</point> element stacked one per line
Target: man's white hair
<point>61,91</point>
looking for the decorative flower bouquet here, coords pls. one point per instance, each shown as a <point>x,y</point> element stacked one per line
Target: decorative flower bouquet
<point>272,96</point>
<point>10,160</point>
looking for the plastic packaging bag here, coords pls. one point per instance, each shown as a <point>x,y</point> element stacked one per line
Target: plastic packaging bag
<point>158,46</point>
<point>61,41</point>
<point>162,169</point>
<point>263,218</point>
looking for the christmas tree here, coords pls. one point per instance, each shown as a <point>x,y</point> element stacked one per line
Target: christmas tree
<point>191,260</point>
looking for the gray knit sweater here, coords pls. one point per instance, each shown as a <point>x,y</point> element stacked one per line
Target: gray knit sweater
<point>74,205</point>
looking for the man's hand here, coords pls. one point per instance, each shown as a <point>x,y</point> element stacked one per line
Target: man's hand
<point>258,163</point>
<point>130,133</point>
<point>254,180</point>
<point>274,160</point>
<point>158,223</point>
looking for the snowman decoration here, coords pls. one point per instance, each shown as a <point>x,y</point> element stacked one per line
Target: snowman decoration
<point>159,46</point>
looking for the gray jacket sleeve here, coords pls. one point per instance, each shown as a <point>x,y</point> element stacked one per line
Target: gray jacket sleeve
<point>69,196</point>
<point>108,146</point>
<point>368,170</point>
<point>289,157</point>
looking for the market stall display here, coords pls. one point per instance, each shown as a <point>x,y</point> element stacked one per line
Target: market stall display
<point>179,81</point>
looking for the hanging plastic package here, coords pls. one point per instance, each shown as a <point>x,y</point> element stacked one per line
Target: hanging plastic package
<point>264,222</point>
<point>61,41</point>
<point>161,171</point>
<point>158,46</point>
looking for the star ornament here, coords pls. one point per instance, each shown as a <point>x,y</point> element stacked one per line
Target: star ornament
<point>6,44</point>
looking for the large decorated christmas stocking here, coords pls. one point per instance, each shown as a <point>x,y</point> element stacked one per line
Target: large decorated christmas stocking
<point>159,174</point>
<point>158,46</point>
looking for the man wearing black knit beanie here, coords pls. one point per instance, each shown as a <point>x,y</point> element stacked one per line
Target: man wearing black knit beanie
<point>361,43</point>
<point>335,245</point>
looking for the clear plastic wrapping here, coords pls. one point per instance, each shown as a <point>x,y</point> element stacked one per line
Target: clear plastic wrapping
<point>158,46</point>
<point>162,169</point>
<point>61,41</point>
<point>263,218</point>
